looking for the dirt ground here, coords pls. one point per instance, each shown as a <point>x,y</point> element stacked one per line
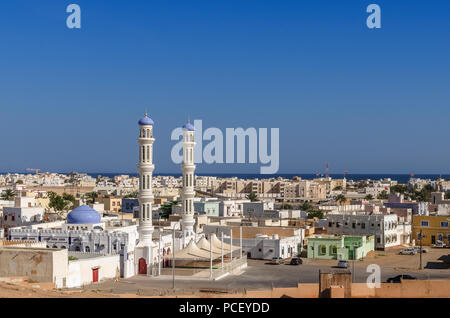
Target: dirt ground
<point>258,275</point>
<point>30,290</point>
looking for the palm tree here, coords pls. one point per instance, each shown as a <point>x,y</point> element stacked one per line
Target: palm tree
<point>252,197</point>
<point>92,196</point>
<point>340,198</point>
<point>8,195</point>
<point>369,197</point>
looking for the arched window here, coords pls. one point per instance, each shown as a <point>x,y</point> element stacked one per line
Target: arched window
<point>87,249</point>
<point>322,249</point>
<point>333,250</point>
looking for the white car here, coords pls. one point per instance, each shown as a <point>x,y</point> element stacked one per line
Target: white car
<point>408,251</point>
<point>439,244</point>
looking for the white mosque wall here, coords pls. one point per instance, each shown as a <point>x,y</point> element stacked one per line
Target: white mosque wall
<point>80,272</point>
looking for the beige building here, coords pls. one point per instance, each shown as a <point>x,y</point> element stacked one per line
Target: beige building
<point>111,203</point>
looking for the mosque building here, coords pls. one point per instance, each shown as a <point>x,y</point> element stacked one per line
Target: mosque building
<point>143,249</point>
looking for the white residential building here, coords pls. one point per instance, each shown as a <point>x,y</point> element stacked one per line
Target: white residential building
<point>385,227</point>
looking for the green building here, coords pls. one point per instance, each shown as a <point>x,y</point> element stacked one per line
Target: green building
<point>211,208</point>
<point>339,247</point>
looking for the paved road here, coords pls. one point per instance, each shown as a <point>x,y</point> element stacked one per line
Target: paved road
<point>262,275</point>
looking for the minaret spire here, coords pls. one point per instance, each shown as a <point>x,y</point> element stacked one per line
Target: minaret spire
<point>187,193</point>
<point>145,169</point>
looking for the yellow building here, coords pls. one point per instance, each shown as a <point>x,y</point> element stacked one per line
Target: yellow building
<point>111,203</point>
<point>434,228</point>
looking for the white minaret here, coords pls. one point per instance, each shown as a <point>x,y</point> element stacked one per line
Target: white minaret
<point>145,169</point>
<point>187,194</point>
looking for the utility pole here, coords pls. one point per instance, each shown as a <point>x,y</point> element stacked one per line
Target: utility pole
<point>231,245</point>
<point>420,265</point>
<point>159,255</point>
<point>221,248</point>
<point>353,265</point>
<point>240,240</point>
<point>173,258</point>
<point>210,259</point>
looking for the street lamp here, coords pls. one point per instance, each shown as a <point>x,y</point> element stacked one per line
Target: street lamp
<point>420,239</point>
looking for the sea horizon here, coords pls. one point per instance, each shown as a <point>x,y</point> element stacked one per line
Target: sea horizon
<point>399,177</point>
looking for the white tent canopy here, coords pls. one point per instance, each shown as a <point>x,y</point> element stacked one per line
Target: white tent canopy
<point>192,252</point>
<point>218,243</point>
<point>204,244</point>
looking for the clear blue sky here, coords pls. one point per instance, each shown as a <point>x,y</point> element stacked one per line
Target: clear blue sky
<point>366,101</point>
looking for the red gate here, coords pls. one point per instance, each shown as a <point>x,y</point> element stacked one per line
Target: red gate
<point>95,275</point>
<point>142,266</point>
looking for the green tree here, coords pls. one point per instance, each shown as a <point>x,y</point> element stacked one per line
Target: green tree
<point>8,195</point>
<point>57,202</point>
<point>361,184</point>
<point>383,195</point>
<point>338,188</point>
<point>317,214</point>
<point>447,196</point>
<point>91,197</point>
<point>306,206</point>
<point>340,198</point>
<point>69,197</point>
<point>166,209</point>
<point>252,196</point>
<point>425,193</point>
<point>369,197</point>
<point>399,188</point>
<point>133,195</point>
<point>286,206</point>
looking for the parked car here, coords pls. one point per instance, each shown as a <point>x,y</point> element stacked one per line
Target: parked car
<point>277,260</point>
<point>296,261</point>
<point>417,248</point>
<point>398,278</point>
<point>439,244</point>
<point>408,251</point>
<point>342,264</point>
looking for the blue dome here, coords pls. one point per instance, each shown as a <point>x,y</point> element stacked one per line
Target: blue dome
<point>83,215</point>
<point>189,127</point>
<point>145,121</point>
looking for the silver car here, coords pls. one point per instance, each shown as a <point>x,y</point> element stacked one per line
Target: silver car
<point>408,251</point>
<point>417,248</point>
